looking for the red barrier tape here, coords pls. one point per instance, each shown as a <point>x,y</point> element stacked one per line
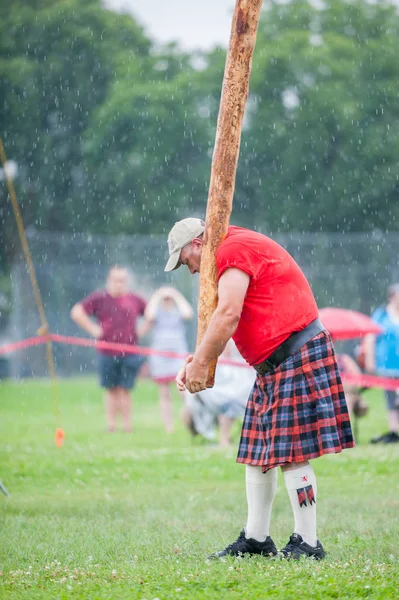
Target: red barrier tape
<point>100,345</point>
<point>386,383</point>
<point>33,341</point>
<point>362,380</point>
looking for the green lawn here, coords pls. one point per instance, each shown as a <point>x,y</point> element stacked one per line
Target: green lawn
<point>135,515</point>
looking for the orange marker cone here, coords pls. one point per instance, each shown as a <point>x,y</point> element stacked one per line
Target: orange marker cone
<point>59,437</point>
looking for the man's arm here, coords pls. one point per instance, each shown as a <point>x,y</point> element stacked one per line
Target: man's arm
<point>232,289</point>
<point>233,286</point>
<point>81,318</point>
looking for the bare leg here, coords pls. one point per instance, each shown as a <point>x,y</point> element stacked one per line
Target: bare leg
<point>165,403</point>
<point>350,400</point>
<point>393,420</point>
<point>225,425</point>
<point>294,466</point>
<point>125,409</point>
<point>111,407</point>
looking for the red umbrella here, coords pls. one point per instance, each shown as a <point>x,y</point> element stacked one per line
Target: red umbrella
<point>344,324</point>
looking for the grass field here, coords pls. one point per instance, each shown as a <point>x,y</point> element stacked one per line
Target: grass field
<point>135,515</point>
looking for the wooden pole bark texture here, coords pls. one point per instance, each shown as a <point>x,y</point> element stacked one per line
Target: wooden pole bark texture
<point>225,155</point>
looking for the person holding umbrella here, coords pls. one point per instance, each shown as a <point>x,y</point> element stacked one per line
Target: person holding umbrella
<point>382,358</point>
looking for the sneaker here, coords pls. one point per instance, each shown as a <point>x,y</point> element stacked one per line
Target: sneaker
<point>392,438</point>
<point>243,546</point>
<point>386,438</point>
<point>296,548</point>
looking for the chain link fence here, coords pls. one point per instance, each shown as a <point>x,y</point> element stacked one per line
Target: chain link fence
<point>345,270</point>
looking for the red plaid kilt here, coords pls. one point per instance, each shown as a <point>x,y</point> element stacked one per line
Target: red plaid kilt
<point>298,411</point>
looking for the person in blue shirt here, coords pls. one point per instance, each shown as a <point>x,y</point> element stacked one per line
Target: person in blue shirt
<point>382,358</point>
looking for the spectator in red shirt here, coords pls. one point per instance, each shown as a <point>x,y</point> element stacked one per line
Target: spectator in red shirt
<point>116,311</point>
<point>297,409</point>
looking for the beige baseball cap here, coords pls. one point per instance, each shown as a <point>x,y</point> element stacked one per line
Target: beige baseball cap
<point>182,233</point>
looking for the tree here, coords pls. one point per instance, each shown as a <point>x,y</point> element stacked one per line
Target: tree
<point>111,135</point>
<point>57,63</point>
<point>147,147</point>
<point>320,151</point>
<point>319,146</point>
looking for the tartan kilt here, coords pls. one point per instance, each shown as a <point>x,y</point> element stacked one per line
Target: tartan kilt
<point>298,411</point>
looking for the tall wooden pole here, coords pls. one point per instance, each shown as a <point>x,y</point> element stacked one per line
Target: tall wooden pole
<point>225,155</point>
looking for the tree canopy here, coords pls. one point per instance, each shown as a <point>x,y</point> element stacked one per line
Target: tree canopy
<point>111,134</point>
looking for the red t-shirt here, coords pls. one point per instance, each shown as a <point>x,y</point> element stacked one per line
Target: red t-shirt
<point>279,300</point>
<point>117,316</point>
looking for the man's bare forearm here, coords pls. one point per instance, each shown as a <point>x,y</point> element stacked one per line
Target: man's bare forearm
<point>220,329</point>
<point>82,319</point>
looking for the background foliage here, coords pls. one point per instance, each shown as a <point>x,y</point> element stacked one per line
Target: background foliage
<point>113,135</point>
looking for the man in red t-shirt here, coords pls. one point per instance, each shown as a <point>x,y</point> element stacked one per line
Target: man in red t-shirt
<point>297,409</point>
<point>116,311</point>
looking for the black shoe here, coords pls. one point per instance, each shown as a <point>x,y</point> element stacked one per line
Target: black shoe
<point>296,548</point>
<point>386,438</point>
<point>243,546</point>
<point>392,438</point>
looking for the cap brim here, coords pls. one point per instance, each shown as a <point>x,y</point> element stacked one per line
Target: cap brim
<point>174,261</point>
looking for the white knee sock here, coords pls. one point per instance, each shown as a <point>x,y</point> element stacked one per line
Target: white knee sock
<point>261,489</point>
<point>302,490</point>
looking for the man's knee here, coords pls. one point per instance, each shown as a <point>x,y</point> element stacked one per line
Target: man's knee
<point>293,466</point>
<point>113,391</point>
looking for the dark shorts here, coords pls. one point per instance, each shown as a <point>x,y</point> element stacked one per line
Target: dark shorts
<point>298,411</point>
<point>119,371</point>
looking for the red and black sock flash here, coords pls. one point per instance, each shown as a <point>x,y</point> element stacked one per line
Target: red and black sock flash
<point>306,496</point>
